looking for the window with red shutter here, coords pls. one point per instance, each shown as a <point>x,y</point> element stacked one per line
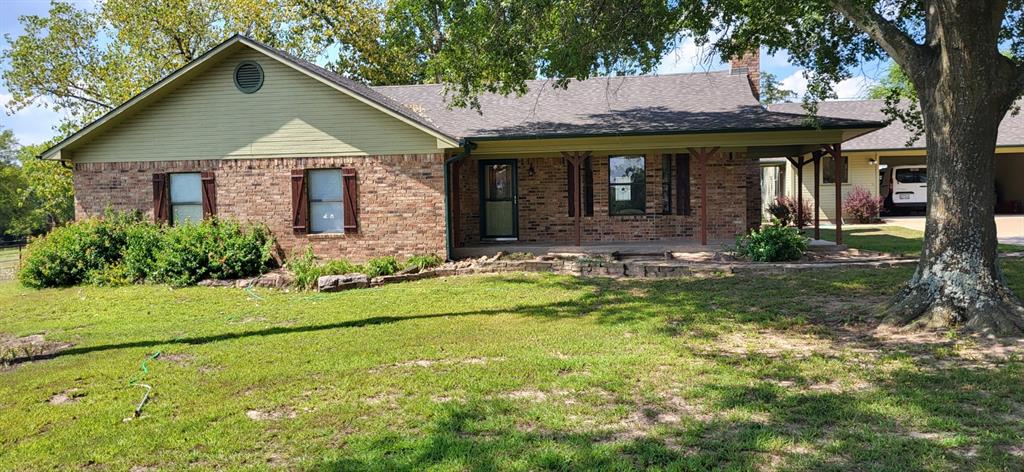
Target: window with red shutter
<point>300,203</point>
<point>160,198</point>
<point>351,198</point>
<point>209,194</point>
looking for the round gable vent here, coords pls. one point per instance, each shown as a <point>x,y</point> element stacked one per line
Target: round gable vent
<point>248,76</point>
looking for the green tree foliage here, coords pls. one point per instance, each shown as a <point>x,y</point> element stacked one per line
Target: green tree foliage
<point>772,91</point>
<point>949,51</point>
<point>374,43</point>
<point>84,62</point>
<point>12,184</point>
<point>48,197</point>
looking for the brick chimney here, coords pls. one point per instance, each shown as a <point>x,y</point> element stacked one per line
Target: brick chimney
<point>750,64</point>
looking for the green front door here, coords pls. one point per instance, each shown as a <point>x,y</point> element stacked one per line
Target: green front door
<point>498,200</point>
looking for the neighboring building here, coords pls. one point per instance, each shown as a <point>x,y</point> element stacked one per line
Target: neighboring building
<point>253,133</point>
<point>867,155</point>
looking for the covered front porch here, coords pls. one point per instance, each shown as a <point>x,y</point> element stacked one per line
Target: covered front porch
<point>669,248</point>
<point>627,195</point>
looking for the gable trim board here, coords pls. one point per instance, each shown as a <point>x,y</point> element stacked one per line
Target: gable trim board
<point>205,62</point>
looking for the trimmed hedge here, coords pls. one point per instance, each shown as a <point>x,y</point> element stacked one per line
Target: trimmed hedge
<point>122,248</point>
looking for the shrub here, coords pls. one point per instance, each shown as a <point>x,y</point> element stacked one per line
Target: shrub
<point>861,206</point>
<point>122,248</point>
<point>67,255</point>
<point>307,270</point>
<point>779,210</point>
<point>772,243</point>
<point>424,261</point>
<point>381,266</point>
<point>212,249</point>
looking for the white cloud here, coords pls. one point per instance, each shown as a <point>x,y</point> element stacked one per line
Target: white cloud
<point>850,89</point>
<point>689,57</point>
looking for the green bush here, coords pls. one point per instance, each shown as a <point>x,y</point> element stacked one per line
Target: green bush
<point>381,266</point>
<point>423,261</point>
<point>212,249</point>
<point>122,248</point>
<point>772,243</point>
<point>307,270</point>
<point>69,254</point>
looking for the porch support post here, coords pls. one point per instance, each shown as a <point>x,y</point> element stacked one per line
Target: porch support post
<point>702,158</point>
<point>816,156</point>
<point>835,150</point>
<point>576,160</point>
<point>456,206</point>
<point>800,192</point>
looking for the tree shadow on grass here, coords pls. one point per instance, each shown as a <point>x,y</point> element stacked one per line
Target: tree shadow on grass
<point>760,410</point>
<point>755,426</point>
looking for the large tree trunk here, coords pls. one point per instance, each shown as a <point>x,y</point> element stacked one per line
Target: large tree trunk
<point>965,90</point>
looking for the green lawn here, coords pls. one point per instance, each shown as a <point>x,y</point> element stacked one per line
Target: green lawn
<point>514,372</point>
<point>885,238</point>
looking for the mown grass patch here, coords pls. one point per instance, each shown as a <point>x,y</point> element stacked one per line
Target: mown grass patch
<point>887,238</point>
<point>513,372</point>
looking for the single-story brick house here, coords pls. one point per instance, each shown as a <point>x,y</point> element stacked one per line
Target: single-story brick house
<point>865,156</point>
<point>253,133</point>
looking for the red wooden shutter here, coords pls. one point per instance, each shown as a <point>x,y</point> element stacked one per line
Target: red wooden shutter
<point>682,184</point>
<point>350,195</point>
<point>300,201</point>
<point>587,183</point>
<point>209,194</point>
<point>161,204</point>
<point>571,172</point>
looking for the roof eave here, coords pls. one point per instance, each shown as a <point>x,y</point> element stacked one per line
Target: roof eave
<point>867,127</point>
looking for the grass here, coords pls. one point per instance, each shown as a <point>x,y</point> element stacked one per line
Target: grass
<point>514,372</point>
<point>887,238</point>
<point>9,258</point>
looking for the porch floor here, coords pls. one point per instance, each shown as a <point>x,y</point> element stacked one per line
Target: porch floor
<point>678,247</point>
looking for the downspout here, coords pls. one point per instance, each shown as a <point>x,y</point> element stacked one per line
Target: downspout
<point>449,238</point>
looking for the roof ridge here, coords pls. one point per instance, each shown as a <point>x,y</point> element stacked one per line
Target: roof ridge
<point>531,81</point>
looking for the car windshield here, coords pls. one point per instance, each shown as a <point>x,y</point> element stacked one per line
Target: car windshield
<point>912,176</point>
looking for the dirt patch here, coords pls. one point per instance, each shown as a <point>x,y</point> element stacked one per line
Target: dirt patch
<point>181,359</point>
<point>15,350</point>
<point>423,363</point>
<point>270,415</point>
<point>70,395</point>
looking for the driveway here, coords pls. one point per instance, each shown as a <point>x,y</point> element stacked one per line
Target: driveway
<point>1009,228</point>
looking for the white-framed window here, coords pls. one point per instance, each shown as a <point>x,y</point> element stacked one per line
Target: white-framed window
<point>186,198</point>
<point>326,209</point>
<point>627,181</point>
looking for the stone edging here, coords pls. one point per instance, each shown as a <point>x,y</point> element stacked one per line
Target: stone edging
<point>589,268</point>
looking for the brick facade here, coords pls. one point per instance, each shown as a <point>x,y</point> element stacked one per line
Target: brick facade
<point>401,200</point>
<point>734,202</point>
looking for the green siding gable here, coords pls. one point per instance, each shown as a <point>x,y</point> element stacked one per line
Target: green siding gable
<point>292,115</point>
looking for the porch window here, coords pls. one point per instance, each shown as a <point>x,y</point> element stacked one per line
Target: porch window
<point>186,198</point>
<point>326,211</point>
<point>627,190</point>
<point>828,170</point>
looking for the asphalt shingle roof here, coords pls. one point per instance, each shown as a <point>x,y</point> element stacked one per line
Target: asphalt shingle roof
<point>675,103</point>
<point>896,135</point>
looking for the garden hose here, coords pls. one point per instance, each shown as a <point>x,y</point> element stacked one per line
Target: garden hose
<point>144,369</point>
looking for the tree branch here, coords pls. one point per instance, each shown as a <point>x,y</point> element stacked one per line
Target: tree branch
<point>898,44</point>
<point>68,94</point>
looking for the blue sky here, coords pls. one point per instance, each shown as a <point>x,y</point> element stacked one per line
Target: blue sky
<point>35,124</point>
